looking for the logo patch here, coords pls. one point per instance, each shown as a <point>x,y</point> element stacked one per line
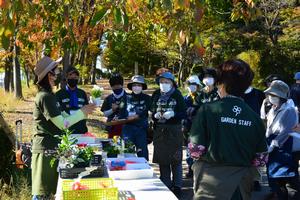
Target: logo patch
<point>237,110</point>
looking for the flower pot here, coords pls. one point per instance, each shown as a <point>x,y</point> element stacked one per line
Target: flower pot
<point>82,164</point>
<point>112,155</point>
<point>129,155</point>
<point>97,101</point>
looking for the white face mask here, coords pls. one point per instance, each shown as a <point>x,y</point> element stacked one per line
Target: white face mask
<point>137,89</point>
<point>192,88</point>
<point>209,81</point>
<point>274,100</point>
<point>165,87</point>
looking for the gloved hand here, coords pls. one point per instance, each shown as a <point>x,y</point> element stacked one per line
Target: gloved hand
<point>273,144</point>
<point>169,114</point>
<point>157,115</point>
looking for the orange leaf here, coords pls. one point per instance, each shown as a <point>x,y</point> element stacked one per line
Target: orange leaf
<point>2,3</point>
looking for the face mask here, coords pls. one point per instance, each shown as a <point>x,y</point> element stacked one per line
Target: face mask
<point>137,89</point>
<point>208,81</point>
<point>274,100</point>
<point>118,91</point>
<point>192,88</point>
<point>165,87</point>
<point>248,90</point>
<point>72,82</point>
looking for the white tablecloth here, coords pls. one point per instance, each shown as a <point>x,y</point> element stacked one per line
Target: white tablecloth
<point>140,189</point>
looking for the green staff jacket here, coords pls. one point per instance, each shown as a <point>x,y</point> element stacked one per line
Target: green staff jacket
<point>230,130</point>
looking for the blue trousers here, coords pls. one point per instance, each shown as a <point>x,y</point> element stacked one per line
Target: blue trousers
<point>165,175</point>
<point>138,136</point>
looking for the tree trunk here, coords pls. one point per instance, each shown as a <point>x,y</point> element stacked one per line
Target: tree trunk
<point>181,66</point>
<point>17,73</point>
<point>93,78</point>
<point>136,68</point>
<point>7,75</point>
<point>66,65</point>
<point>26,70</point>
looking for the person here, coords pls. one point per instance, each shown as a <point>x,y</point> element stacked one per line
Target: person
<point>71,98</point>
<point>168,110</point>
<point>224,151</point>
<point>282,168</point>
<point>193,87</point>
<point>210,92</point>
<point>295,90</point>
<point>254,98</point>
<point>49,121</point>
<point>266,105</point>
<point>114,105</point>
<point>138,105</point>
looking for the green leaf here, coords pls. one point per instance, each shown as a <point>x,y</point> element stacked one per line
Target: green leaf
<point>151,4</point>
<point>5,42</point>
<point>100,14</point>
<point>167,4</point>
<point>117,15</point>
<point>180,3</point>
<point>125,20</point>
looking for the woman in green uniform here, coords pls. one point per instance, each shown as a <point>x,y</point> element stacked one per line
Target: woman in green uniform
<point>49,121</point>
<point>226,136</point>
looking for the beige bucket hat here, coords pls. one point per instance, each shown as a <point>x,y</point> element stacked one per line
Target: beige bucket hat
<point>45,65</point>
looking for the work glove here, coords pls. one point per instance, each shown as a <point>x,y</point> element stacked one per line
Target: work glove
<point>273,144</point>
<point>169,114</point>
<point>157,115</point>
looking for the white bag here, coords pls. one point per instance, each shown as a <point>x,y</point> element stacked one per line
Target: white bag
<point>296,141</point>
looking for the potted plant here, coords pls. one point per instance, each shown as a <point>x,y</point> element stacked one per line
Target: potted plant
<point>130,148</point>
<point>96,94</point>
<point>71,155</point>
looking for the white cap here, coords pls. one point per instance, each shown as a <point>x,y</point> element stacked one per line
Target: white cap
<point>193,79</point>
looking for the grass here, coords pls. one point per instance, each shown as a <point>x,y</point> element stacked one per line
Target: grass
<point>18,187</point>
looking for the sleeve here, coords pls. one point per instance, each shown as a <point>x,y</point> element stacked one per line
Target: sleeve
<point>106,105</point>
<point>180,108</point>
<point>284,126</point>
<point>63,122</point>
<point>49,106</point>
<point>86,101</point>
<point>144,113</point>
<point>153,104</point>
<point>198,133</point>
<point>262,110</point>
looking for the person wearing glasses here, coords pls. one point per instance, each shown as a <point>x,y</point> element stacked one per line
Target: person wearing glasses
<point>49,122</point>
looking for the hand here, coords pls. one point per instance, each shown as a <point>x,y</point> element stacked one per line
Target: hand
<point>273,144</point>
<point>133,117</point>
<point>169,114</point>
<point>190,111</point>
<point>88,109</point>
<point>296,128</point>
<point>114,107</point>
<point>157,115</point>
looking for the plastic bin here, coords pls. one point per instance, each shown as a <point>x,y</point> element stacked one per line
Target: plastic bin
<point>94,191</point>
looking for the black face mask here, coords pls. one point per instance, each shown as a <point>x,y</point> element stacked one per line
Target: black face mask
<point>118,91</point>
<point>72,82</point>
